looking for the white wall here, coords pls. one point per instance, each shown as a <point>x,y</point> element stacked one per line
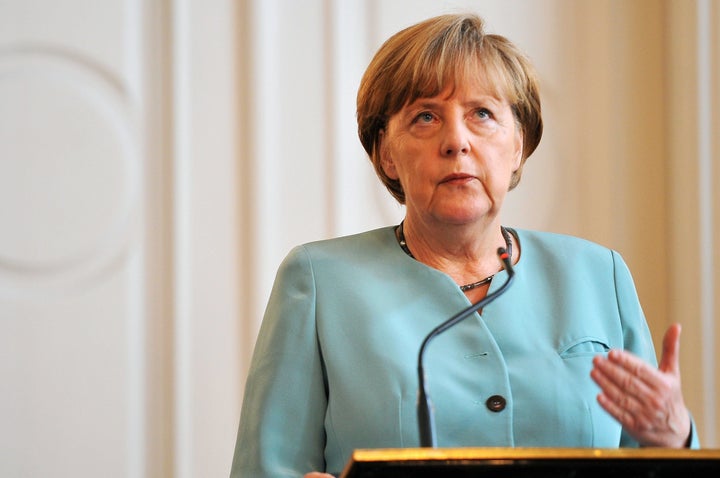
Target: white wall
<point>159,158</point>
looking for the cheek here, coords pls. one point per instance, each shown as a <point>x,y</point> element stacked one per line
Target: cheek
<point>509,152</point>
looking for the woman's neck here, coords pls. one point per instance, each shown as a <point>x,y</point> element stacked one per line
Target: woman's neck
<point>466,253</point>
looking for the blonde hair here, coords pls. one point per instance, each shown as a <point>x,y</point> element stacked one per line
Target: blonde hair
<point>422,60</point>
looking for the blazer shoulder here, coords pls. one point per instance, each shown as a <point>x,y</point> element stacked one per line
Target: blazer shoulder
<point>562,244</point>
<point>364,246</point>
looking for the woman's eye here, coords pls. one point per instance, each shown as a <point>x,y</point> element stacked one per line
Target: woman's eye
<point>483,113</point>
<point>424,117</point>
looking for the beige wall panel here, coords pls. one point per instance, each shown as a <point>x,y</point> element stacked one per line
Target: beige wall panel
<point>75,255</point>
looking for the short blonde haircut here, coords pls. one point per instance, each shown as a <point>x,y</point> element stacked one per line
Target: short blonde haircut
<point>424,59</point>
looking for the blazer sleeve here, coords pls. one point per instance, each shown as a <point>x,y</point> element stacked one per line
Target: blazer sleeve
<point>636,334</point>
<point>281,429</point>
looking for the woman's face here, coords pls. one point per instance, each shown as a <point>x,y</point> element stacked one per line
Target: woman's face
<point>454,154</point>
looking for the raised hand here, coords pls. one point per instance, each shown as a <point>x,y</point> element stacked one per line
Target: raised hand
<point>648,402</point>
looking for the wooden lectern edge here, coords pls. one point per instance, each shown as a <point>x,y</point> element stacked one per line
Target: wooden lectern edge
<point>488,453</point>
<point>480,454</point>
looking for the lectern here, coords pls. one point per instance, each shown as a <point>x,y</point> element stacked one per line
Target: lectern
<point>532,462</point>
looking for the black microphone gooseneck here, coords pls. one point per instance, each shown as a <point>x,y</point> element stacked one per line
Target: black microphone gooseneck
<point>426,419</point>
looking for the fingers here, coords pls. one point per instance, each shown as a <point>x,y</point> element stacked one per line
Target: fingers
<point>628,374</point>
<point>632,391</point>
<point>670,359</point>
<point>317,474</point>
<point>647,402</point>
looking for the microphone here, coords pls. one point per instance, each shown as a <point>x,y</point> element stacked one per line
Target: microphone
<point>425,416</point>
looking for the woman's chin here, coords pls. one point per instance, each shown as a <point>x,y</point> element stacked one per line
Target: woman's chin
<point>464,216</point>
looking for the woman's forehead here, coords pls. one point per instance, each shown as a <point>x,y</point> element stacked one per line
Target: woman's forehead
<point>471,86</point>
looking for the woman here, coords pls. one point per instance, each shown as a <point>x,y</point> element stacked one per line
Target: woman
<point>448,116</point>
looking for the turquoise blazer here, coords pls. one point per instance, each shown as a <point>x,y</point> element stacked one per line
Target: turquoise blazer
<point>334,366</point>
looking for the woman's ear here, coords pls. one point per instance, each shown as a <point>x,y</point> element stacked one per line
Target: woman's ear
<point>386,161</point>
<point>518,151</point>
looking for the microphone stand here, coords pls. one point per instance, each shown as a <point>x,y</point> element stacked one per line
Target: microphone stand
<point>425,416</point>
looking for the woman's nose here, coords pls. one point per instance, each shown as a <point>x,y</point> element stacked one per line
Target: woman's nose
<point>455,139</point>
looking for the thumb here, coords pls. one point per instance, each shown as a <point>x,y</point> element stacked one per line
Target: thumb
<point>670,359</point>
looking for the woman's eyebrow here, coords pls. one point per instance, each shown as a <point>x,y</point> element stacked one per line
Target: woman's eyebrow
<point>425,103</point>
<point>474,101</point>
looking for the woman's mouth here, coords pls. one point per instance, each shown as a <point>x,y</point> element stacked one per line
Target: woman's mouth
<point>457,178</point>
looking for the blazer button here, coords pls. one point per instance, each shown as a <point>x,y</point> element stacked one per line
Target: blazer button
<point>496,403</point>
